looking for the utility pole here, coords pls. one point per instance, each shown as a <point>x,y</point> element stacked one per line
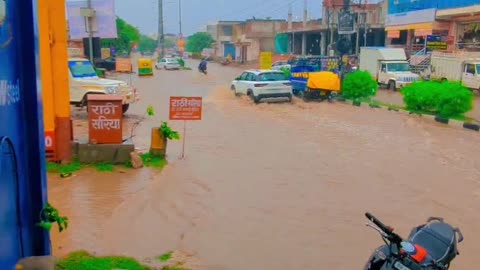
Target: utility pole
<point>90,33</point>
<point>161,37</point>
<point>180,15</point>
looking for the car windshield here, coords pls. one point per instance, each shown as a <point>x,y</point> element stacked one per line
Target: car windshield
<point>398,67</point>
<point>271,76</point>
<point>478,68</point>
<point>81,69</point>
<point>170,60</point>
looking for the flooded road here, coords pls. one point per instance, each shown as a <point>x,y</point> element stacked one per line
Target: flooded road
<point>274,186</point>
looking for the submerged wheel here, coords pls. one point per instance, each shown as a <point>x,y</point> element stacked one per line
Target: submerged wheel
<point>301,95</point>
<point>391,86</point>
<point>125,108</point>
<point>253,98</point>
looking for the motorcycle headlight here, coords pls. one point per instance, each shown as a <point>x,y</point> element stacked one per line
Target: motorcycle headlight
<point>112,89</point>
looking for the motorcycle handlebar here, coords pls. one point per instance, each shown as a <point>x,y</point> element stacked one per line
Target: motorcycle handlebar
<point>379,224</point>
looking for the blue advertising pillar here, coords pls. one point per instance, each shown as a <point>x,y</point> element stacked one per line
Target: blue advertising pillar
<point>23,189</point>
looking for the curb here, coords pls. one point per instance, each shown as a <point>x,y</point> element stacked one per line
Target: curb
<point>438,119</point>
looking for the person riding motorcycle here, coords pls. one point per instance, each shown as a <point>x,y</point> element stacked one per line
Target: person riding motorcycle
<point>202,67</point>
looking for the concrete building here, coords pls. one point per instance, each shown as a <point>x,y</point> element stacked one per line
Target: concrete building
<point>255,36</point>
<point>212,30</point>
<point>224,44</point>
<point>410,22</point>
<point>318,37</point>
<point>245,40</point>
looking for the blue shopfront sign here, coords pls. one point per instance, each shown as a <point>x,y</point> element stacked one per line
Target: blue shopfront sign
<point>22,165</point>
<point>401,6</point>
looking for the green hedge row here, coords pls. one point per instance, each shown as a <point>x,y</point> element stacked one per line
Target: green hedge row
<point>446,99</point>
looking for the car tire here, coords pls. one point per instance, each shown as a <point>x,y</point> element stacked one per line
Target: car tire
<point>125,108</point>
<point>392,86</point>
<point>255,100</point>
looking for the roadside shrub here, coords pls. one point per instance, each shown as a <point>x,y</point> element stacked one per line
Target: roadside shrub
<point>422,96</point>
<point>446,99</point>
<point>359,84</point>
<point>455,100</point>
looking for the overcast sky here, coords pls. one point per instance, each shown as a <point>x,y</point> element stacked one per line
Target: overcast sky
<point>198,13</point>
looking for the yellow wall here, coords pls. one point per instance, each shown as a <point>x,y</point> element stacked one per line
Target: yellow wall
<point>54,76</point>
<point>45,67</point>
<point>59,57</point>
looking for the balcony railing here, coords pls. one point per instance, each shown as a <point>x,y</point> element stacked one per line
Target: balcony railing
<point>471,46</point>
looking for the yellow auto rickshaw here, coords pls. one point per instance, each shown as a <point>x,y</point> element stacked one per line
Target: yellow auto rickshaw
<point>321,85</point>
<point>145,66</point>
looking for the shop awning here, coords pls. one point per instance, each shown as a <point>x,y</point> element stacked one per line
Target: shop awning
<point>393,34</point>
<point>423,32</point>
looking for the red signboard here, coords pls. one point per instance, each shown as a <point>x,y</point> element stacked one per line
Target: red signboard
<point>185,108</point>
<point>50,141</point>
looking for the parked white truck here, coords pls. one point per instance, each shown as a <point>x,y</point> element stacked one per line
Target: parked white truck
<point>389,66</point>
<point>461,66</point>
<point>84,81</point>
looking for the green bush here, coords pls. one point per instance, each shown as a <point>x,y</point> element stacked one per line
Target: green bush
<point>446,99</point>
<point>359,84</point>
<point>422,96</point>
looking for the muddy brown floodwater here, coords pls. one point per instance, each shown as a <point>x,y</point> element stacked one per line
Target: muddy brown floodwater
<point>274,186</point>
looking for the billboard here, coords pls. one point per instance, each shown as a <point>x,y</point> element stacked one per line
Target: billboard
<point>104,24</point>
<point>346,23</point>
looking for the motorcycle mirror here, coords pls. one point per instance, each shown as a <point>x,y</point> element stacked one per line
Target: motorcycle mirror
<point>373,226</point>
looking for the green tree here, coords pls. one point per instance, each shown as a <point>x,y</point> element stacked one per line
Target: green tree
<point>198,41</point>
<point>127,36</point>
<point>147,44</point>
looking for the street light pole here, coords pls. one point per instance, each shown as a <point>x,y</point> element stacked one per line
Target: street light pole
<point>90,33</point>
<point>180,15</point>
<point>160,28</point>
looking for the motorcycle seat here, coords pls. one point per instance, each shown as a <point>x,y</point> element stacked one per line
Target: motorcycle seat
<point>439,239</point>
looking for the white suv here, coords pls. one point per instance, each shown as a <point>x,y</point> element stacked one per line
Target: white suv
<point>263,84</point>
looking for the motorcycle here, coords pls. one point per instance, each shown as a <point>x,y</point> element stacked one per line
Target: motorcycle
<point>202,70</point>
<point>431,246</point>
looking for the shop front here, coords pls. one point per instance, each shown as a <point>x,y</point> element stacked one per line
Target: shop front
<point>464,26</point>
<point>409,30</point>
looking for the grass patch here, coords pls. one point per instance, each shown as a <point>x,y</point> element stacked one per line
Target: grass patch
<point>82,260</point>
<point>165,257</point>
<point>150,160</point>
<point>53,167</point>
<point>185,68</point>
<point>104,167</point>
<point>70,168</point>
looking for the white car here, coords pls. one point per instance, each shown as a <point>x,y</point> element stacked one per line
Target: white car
<point>168,64</point>
<point>263,84</point>
<point>281,64</point>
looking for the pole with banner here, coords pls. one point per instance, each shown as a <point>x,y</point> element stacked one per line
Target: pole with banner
<point>186,109</point>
